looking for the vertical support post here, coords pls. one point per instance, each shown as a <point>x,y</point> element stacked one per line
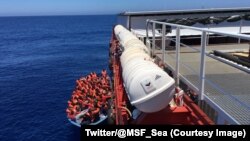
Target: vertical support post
<point>177,52</point>
<point>147,29</point>
<point>202,65</point>
<point>240,30</point>
<point>147,38</point>
<point>163,43</point>
<point>208,35</point>
<point>153,42</point>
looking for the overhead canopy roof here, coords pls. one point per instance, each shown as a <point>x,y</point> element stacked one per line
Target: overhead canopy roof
<point>207,20</point>
<point>188,11</point>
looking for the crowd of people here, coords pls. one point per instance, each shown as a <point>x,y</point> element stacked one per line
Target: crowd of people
<point>92,92</point>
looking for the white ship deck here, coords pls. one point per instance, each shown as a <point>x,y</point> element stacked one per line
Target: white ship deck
<point>233,93</point>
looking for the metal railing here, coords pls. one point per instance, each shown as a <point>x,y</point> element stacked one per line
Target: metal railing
<point>200,88</point>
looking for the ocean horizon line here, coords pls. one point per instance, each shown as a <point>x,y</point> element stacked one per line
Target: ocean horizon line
<point>59,15</point>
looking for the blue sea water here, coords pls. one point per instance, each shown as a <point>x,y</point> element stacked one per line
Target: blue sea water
<point>40,59</point>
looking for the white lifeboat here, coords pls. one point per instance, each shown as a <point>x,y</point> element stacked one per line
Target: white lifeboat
<point>149,88</point>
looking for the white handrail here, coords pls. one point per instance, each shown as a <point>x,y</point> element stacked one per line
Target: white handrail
<point>236,35</point>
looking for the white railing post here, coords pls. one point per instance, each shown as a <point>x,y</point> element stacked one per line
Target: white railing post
<point>147,30</point>
<point>240,30</point>
<point>202,65</point>
<point>207,36</point>
<point>163,43</point>
<point>153,42</point>
<point>177,52</point>
<point>148,44</point>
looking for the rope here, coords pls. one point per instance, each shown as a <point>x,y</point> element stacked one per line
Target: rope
<point>130,114</point>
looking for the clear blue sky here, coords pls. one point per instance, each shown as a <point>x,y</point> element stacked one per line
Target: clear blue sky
<point>79,7</point>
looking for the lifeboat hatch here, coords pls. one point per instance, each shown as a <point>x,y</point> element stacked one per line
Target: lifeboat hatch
<point>148,86</point>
